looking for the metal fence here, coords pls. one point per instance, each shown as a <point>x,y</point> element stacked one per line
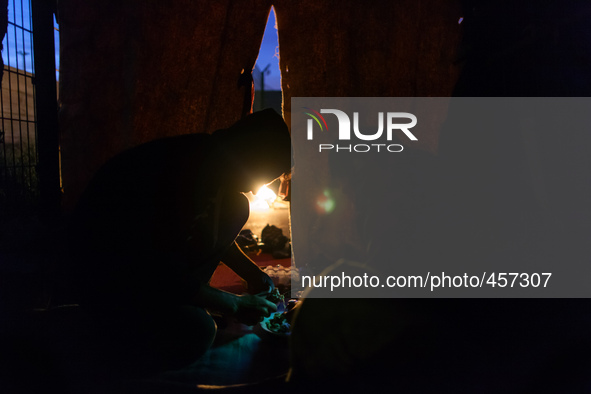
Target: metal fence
<point>29,142</point>
<point>19,186</point>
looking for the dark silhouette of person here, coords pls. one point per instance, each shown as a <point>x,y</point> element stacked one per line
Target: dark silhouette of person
<point>153,225</point>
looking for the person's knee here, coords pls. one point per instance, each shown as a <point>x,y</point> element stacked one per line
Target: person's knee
<point>187,334</point>
<point>153,340</point>
<point>200,328</point>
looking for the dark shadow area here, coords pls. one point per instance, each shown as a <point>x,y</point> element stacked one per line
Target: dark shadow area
<point>509,49</point>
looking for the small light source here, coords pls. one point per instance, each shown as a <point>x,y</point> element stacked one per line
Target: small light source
<point>266,194</point>
<point>263,199</point>
<point>460,20</point>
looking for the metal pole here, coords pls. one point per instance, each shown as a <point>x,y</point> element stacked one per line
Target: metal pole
<point>46,107</point>
<point>265,71</point>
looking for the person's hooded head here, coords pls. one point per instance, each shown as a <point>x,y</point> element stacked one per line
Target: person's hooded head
<point>256,149</point>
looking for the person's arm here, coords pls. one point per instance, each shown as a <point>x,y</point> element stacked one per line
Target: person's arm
<point>248,309</point>
<point>258,281</point>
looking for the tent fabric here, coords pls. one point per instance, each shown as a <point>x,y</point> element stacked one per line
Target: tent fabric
<point>138,70</point>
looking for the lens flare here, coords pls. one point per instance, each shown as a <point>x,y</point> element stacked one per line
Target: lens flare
<point>325,203</point>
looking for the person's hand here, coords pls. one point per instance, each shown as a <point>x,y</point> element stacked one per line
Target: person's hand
<point>252,309</point>
<point>259,282</point>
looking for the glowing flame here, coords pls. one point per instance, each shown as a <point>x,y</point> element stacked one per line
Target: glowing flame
<point>263,199</point>
<point>266,194</point>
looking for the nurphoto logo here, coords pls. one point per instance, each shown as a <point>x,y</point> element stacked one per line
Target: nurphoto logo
<point>391,119</point>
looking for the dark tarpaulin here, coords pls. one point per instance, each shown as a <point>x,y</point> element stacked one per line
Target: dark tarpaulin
<point>345,49</point>
<point>137,70</point>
